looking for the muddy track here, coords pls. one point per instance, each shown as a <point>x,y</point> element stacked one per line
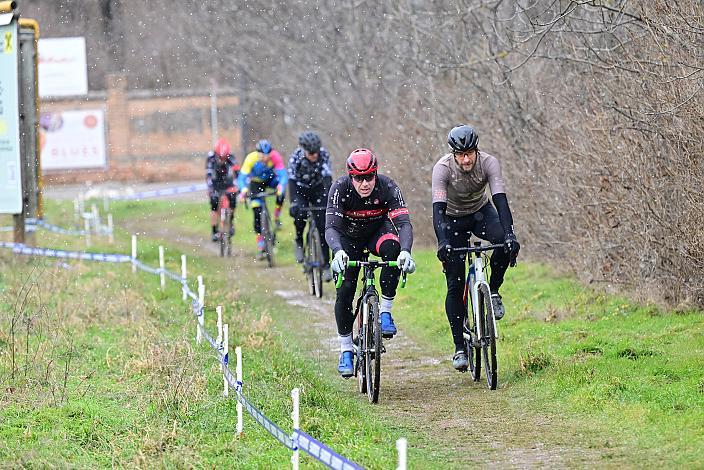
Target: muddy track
<point>458,418</point>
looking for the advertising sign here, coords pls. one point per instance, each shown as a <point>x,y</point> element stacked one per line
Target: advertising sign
<point>62,67</point>
<point>10,176</point>
<point>72,139</point>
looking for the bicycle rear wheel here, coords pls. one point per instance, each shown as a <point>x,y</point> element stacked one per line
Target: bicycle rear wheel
<point>488,339</point>
<point>372,349</point>
<point>316,258</point>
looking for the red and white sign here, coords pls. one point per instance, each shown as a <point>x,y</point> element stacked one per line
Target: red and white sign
<point>62,67</point>
<point>73,139</point>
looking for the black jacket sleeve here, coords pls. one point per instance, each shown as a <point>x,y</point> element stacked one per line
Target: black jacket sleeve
<point>501,203</point>
<point>440,223</point>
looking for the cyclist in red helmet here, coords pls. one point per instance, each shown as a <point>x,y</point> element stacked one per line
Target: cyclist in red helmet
<point>221,171</point>
<point>366,210</point>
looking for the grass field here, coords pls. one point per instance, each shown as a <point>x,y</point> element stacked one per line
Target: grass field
<point>99,368</point>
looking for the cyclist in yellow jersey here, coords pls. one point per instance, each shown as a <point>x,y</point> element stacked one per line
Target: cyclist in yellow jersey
<point>264,168</point>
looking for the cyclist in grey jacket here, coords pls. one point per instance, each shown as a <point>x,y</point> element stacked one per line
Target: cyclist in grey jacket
<point>461,207</point>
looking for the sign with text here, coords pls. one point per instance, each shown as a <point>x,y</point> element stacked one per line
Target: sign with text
<point>10,176</point>
<point>73,139</point>
<point>62,67</point>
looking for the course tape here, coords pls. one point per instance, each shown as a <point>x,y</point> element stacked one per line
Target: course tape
<point>161,192</point>
<point>321,452</point>
<point>278,433</point>
<point>20,249</point>
<point>298,440</point>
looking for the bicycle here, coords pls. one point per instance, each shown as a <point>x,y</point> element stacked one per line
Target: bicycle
<point>368,342</point>
<point>479,331</point>
<point>226,227</point>
<point>313,264</point>
<point>268,232</point>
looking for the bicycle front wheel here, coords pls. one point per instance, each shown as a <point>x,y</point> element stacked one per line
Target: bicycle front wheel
<point>268,235</point>
<point>308,262</point>
<point>474,356</point>
<point>359,367</point>
<point>316,258</point>
<point>488,338</point>
<point>372,349</point>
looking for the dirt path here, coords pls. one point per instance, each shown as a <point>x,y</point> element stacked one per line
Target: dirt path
<point>459,419</point>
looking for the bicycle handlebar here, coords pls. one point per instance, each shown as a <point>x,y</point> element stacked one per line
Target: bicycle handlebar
<point>313,208</point>
<point>261,195</point>
<point>478,249</point>
<point>373,264</point>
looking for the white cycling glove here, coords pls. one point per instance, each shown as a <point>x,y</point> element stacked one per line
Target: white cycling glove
<point>339,262</point>
<point>405,262</point>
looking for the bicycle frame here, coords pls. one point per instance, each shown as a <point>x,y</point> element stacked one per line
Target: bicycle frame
<point>310,220</point>
<point>476,277</point>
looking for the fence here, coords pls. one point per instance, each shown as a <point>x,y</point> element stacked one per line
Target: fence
<point>297,440</point>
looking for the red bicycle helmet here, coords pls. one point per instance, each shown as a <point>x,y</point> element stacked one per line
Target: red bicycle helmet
<point>362,162</point>
<point>222,148</point>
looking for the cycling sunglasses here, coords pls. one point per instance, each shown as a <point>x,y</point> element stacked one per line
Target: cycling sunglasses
<point>361,178</point>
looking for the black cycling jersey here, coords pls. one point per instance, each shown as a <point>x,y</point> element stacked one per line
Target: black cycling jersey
<point>220,176</point>
<point>307,174</point>
<point>356,217</point>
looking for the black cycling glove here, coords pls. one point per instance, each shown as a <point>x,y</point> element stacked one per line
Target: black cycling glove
<point>512,247</point>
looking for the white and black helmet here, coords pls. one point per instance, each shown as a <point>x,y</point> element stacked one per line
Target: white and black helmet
<point>462,138</point>
<point>309,141</point>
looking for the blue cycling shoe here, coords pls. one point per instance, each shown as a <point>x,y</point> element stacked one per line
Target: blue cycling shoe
<point>346,365</point>
<point>388,329</point>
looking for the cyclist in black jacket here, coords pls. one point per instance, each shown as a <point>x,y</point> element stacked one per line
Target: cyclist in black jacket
<point>310,178</point>
<point>221,171</point>
<point>366,211</point>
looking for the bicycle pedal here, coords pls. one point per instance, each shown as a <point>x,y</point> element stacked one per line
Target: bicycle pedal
<point>383,349</point>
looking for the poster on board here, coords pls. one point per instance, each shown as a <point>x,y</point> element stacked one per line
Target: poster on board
<point>10,169</point>
<point>72,139</point>
<point>62,67</point>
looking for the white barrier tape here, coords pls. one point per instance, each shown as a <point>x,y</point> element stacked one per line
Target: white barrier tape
<point>21,249</point>
<point>173,276</point>
<point>161,192</point>
<point>278,433</point>
<point>298,440</point>
<point>321,452</point>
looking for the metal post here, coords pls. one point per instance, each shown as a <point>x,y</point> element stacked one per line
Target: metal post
<point>183,277</point>
<point>218,309</point>
<point>225,350</point>
<point>76,213</point>
<point>162,276</point>
<point>238,372</point>
<point>29,122</point>
<point>86,228</point>
<point>201,306</point>
<point>295,394</point>
<point>96,217</point>
<point>111,237</point>
<point>134,253</point>
<point>401,447</point>
<point>213,111</point>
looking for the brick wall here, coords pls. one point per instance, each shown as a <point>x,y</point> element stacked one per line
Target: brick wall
<point>152,136</point>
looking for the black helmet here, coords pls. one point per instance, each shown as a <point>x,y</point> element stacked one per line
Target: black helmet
<point>462,138</point>
<point>309,141</point>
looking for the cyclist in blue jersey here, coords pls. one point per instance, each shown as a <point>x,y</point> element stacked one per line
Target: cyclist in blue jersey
<point>262,169</point>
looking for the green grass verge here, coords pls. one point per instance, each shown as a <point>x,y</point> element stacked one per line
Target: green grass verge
<point>98,367</point>
<point>635,372</point>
